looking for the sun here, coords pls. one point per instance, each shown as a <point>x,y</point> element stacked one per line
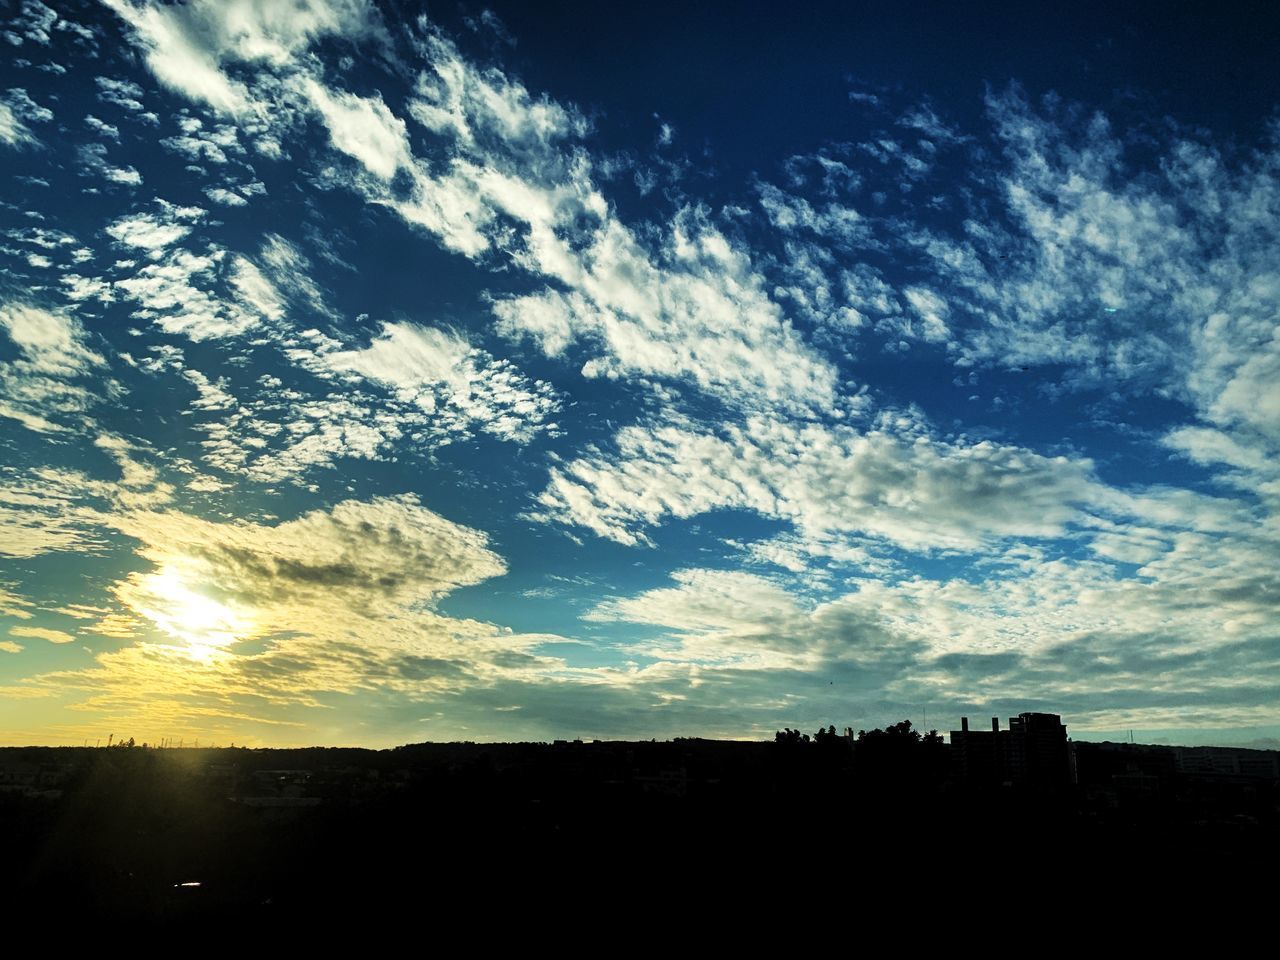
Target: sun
<point>204,624</point>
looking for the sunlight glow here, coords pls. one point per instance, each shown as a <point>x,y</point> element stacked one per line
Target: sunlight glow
<point>181,611</point>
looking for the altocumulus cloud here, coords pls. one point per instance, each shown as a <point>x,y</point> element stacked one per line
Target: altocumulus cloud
<point>337,355</point>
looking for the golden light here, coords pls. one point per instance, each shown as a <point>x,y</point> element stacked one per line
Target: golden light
<point>205,625</point>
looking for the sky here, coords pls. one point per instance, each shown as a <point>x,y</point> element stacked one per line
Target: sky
<point>374,373</point>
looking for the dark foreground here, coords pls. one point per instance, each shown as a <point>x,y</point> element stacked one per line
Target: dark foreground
<point>272,836</point>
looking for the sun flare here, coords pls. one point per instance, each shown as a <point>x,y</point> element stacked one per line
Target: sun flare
<point>186,613</point>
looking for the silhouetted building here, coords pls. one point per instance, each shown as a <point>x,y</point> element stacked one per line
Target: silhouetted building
<point>1234,763</point>
<point>976,754</point>
<point>1033,752</point>
<point>1038,753</point>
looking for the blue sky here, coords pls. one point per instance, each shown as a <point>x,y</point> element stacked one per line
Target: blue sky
<point>379,373</point>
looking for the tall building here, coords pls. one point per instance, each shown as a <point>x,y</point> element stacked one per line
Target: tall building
<point>1032,752</point>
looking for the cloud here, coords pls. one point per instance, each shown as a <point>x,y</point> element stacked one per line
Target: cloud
<point>290,272</point>
<point>41,633</point>
<point>13,132</point>
<point>918,493</point>
<point>43,387</point>
<point>45,514</point>
<point>52,343</point>
<point>202,296</point>
<point>442,373</point>
<point>102,128</point>
<point>1080,636</point>
<point>47,510</point>
<point>717,617</point>
<point>124,94</point>
<point>694,310</point>
<point>17,110</point>
<point>153,232</point>
<point>12,605</point>
<point>200,145</point>
<point>34,22</point>
<point>362,555</point>
<point>746,357</point>
<point>700,314</point>
<point>411,383</point>
<point>1128,272</point>
<point>363,128</point>
<point>93,159</point>
<point>1210,446</point>
<point>189,47</point>
<point>225,197</point>
<point>240,619</point>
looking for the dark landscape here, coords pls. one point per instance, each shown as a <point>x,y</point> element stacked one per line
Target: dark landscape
<point>263,834</point>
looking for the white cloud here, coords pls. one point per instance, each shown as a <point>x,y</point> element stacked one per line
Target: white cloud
<point>457,100</point>
<point>121,93</point>
<point>441,389</point>
<point>225,197</point>
<point>442,373</point>
<point>918,493</point>
<point>189,47</point>
<point>363,128</point>
<point>41,388</point>
<point>1159,277</point>
<point>214,295</point>
<point>52,343</point>
<point>1209,446</point>
<point>931,310</point>
<point>34,21</point>
<point>17,110</point>
<point>695,309</point>
<point>407,357</point>
<point>13,132</point>
<point>699,314</point>
<point>290,273</point>
<point>178,59</point>
<point>22,105</point>
<point>152,232</point>
<point>102,128</point>
<point>200,145</point>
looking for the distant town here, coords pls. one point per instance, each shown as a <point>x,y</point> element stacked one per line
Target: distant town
<point>175,833</point>
<point>1031,753</point>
